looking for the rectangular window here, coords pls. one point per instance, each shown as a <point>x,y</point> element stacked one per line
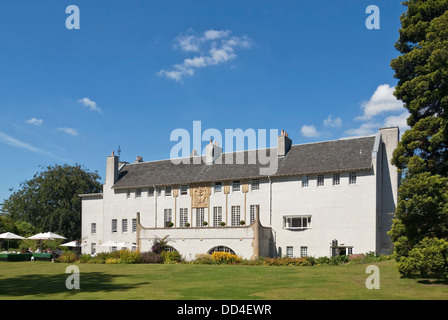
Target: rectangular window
<point>320,180</point>
<point>167,217</point>
<point>93,228</point>
<point>159,192</point>
<point>236,215</point>
<point>134,225</point>
<point>297,222</point>
<point>303,251</point>
<point>138,193</point>
<point>290,252</point>
<point>183,216</point>
<point>151,192</point>
<point>168,191</point>
<point>199,217</point>
<point>218,187</point>
<point>305,182</point>
<point>336,179</point>
<point>253,211</point>
<point>128,194</point>
<point>236,185</point>
<point>93,248</point>
<point>183,190</point>
<point>352,178</point>
<point>255,185</point>
<point>114,225</point>
<point>217,216</point>
<point>124,225</point>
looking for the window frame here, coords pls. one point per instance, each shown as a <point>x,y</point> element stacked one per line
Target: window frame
<point>352,178</point>
<point>114,226</point>
<point>288,223</point>
<point>305,181</point>
<point>183,217</point>
<point>255,185</point>
<point>215,189</point>
<point>336,179</point>
<point>167,217</point>
<point>217,216</point>
<point>320,180</point>
<point>124,225</point>
<point>236,183</point>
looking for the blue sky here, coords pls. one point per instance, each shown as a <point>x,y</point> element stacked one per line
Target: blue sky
<point>137,70</point>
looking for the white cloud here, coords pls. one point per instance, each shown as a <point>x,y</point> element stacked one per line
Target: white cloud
<point>90,104</point>
<point>214,47</point>
<point>364,129</point>
<point>398,121</point>
<point>382,100</point>
<point>7,139</point>
<point>36,122</point>
<point>330,122</point>
<point>69,131</point>
<point>216,34</point>
<point>309,131</point>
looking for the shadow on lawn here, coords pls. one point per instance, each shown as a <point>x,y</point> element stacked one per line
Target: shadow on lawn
<point>37,284</point>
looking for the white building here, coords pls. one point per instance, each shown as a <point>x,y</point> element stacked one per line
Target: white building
<point>326,198</point>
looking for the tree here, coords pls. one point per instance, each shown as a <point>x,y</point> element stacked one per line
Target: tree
<point>422,153</point>
<point>50,201</point>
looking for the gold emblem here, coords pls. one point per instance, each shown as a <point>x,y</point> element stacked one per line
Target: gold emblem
<point>200,197</point>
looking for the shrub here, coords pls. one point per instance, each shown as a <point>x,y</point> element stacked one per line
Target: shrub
<point>430,256</point>
<point>100,258</point>
<point>171,257</point>
<point>128,256</point>
<point>222,223</point>
<point>67,258</point>
<point>113,261</point>
<point>151,257</point>
<point>203,259</point>
<point>85,258</point>
<point>225,257</point>
<point>288,261</point>
<point>159,244</point>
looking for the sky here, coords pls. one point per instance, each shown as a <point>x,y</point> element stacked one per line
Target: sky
<point>126,74</point>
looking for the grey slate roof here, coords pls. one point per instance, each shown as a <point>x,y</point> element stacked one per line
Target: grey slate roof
<point>330,156</point>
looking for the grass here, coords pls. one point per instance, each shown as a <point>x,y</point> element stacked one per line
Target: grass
<point>46,280</point>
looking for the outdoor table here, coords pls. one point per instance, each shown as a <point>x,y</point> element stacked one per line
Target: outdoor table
<point>15,256</point>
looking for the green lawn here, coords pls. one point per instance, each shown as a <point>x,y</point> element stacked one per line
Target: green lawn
<point>46,280</point>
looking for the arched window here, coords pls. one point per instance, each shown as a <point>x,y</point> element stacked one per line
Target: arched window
<point>169,249</point>
<point>220,249</point>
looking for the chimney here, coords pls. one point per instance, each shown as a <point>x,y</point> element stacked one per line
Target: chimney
<point>139,159</point>
<point>283,144</point>
<point>212,152</point>
<point>111,170</point>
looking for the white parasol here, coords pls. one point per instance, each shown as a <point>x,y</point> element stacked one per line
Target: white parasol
<point>10,235</point>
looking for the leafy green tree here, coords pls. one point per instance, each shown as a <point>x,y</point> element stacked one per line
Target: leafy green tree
<point>428,257</point>
<point>422,73</point>
<point>50,201</point>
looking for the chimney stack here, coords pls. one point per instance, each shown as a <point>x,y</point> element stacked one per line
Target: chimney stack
<point>111,170</point>
<point>212,152</point>
<point>139,159</point>
<point>283,144</point>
